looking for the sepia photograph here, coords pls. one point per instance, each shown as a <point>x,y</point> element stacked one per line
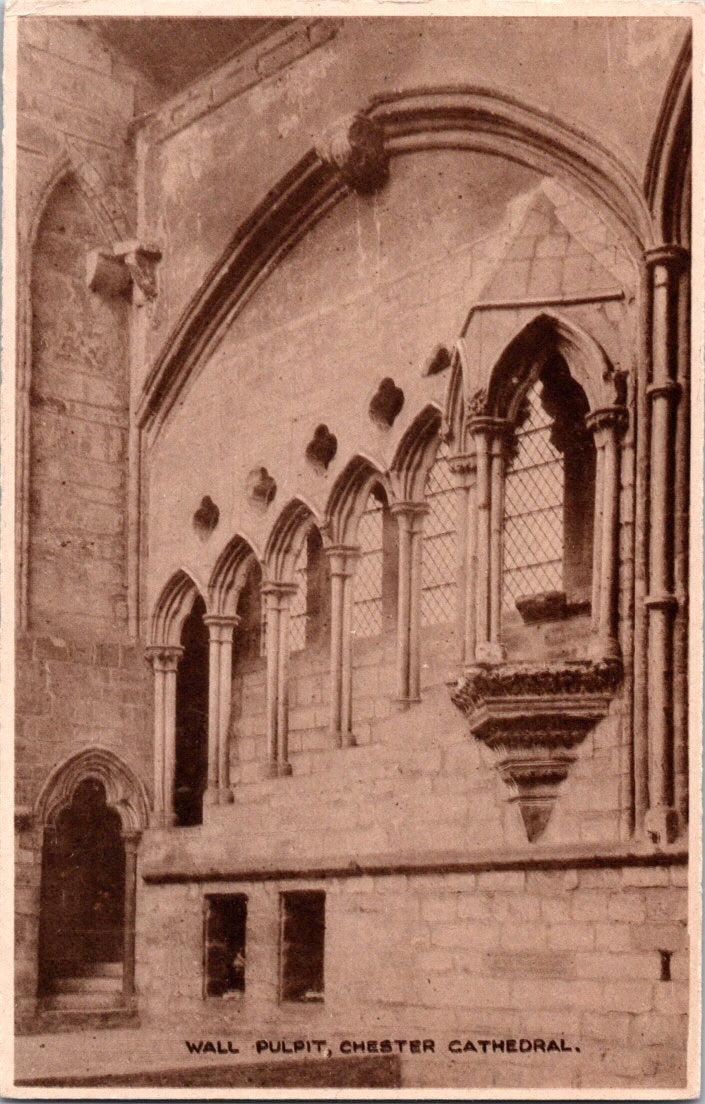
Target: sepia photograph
<point>352,429</point>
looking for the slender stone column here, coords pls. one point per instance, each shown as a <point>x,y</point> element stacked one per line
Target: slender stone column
<point>464,468</point>
<point>496,541</point>
<point>597,527</point>
<point>342,560</point>
<point>271,598</point>
<point>131,841</point>
<point>410,517</point>
<point>220,633</point>
<point>416,559</point>
<point>285,594</point>
<point>681,562</point>
<point>665,265</point>
<point>607,425</point>
<point>278,599</point>
<point>482,585</point>
<point>165,660</point>
<point>489,435</point>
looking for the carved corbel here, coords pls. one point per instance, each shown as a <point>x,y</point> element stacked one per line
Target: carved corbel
<point>533,717</point>
<point>127,268</point>
<point>354,147</point>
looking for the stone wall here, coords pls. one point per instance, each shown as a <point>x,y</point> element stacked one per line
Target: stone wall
<point>572,954</point>
<point>580,937</point>
<point>80,681</point>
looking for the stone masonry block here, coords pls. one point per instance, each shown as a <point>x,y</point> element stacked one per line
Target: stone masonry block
<point>645,876</point>
<point>665,937</point>
<point>501,881</point>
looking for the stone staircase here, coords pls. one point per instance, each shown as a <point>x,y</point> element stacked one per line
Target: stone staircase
<point>98,988</point>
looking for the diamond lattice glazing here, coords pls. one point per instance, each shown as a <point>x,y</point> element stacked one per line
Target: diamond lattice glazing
<point>533,509</point>
<point>438,565</point>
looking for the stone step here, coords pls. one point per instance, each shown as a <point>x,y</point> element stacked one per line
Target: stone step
<point>48,1022</point>
<point>101,969</point>
<point>81,1002</point>
<point>95,984</point>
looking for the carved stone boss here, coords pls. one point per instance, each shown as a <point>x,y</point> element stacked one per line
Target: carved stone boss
<point>354,147</point>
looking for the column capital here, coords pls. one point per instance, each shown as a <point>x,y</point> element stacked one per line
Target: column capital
<point>131,838</point>
<point>342,558</point>
<point>410,515</point>
<point>463,464</point>
<point>669,389</point>
<point>614,418</point>
<point>409,509</point>
<point>163,657</point>
<point>482,425</point>
<point>673,257</point>
<point>278,588</point>
<point>221,625</point>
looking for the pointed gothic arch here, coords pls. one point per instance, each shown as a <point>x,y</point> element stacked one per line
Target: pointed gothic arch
<point>110,226</point>
<point>466,118</point>
<point>173,607</point>
<point>667,177</point>
<point>415,454</point>
<point>229,575</point>
<point>348,497</point>
<point>546,334</point>
<point>124,791</point>
<point>285,539</point>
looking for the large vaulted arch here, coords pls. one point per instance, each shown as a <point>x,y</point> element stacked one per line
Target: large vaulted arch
<point>463,118</point>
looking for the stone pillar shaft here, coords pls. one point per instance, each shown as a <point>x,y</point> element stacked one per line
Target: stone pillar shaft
<point>464,469</point>
<point>278,599</point>
<point>665,265</point>
<point>342,559</point>
<point>409,517</point>
<point>131,842</point>
<point>607,424</point>
<point>220,633</point>
<point>489,435</point>
<point>165,661</point>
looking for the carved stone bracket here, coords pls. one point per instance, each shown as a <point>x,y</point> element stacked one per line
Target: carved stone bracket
<point>354,146</point>
<point>533,717</point>
<point>128,268</point>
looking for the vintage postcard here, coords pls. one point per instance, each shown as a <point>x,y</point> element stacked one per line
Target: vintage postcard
<point>352,531</point>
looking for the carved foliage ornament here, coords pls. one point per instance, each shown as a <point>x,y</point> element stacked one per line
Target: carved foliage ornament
<point>532,717</point>
<point>354,146</point>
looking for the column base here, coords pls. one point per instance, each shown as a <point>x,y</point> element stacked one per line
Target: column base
<point>662,824</point>
<point>162,820</point>
<point>225,796</point>
<point>490,652</point>
<point>405,703</point>
<point>344,739</point>
<point>211,796</point>
<point>605,649</point>
<point>276,770</point>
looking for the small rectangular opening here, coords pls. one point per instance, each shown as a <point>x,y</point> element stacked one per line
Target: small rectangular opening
<point>303,924</point>
<point>225,936</point>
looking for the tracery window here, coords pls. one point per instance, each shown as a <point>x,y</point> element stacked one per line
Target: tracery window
<point>439,557</point>
<point>191,744</point>
<point>376,574</point>
<point>549,494</point>
<point>249,639</point>
<point>310,604</point>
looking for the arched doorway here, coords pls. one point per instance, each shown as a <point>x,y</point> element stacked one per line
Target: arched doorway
<point>92,809</point>
<point>191,751</point>
<point>82,910</point>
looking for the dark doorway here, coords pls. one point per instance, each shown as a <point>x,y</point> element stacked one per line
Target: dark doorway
<point>191,768</point>
<point>83,888</point>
